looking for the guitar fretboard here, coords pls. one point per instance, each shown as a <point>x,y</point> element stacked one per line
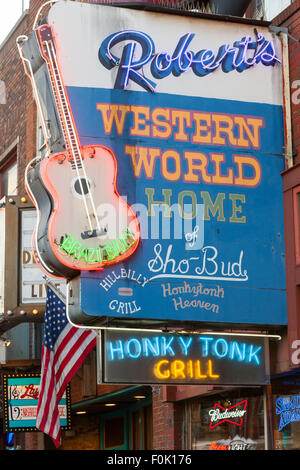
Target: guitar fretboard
<point>65,116</point>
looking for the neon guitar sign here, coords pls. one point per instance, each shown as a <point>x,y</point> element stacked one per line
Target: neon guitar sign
<point>90,226</point>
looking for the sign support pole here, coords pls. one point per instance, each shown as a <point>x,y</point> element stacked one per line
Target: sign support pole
<point>266,420</point>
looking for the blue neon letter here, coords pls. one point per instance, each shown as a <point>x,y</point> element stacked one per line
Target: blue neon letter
<point>117,349</point>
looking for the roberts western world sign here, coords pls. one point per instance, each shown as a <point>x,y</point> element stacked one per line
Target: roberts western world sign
<point>194,119</point>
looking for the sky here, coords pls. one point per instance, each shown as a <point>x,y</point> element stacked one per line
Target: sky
<point>10,12</point>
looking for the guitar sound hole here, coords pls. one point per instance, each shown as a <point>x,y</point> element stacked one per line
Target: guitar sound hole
<point>85,186</point>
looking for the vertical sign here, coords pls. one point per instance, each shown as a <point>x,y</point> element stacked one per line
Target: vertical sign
<point>33,279</point>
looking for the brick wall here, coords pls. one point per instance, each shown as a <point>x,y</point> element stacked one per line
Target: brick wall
<point>168,418</point>
<point>290,18</point>
<point>84,435</point>
<point>13,112</point>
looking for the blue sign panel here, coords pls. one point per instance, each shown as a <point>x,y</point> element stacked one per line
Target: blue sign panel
<point>232,268</point>
<point>199,160</point>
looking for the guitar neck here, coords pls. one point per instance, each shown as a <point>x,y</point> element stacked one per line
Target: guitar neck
<point>48,50</point>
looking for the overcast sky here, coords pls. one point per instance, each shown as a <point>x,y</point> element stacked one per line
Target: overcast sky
<point>10,12</point>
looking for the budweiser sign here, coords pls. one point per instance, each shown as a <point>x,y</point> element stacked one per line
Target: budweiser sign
<point>234,414</point>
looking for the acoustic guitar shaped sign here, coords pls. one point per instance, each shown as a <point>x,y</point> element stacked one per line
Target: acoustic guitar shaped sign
<point>90,225</point>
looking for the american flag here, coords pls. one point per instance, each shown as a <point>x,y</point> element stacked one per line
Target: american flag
<point>64,349</point>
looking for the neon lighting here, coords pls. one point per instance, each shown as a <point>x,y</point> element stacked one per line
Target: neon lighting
<point>216,446</point>
<point>158,372</point>
<point>166,347</point>
<point>205,340</point>
<point>135,351</point>
<point>253,354</point>
<point>240,56</point>
<point>178,369</point>
<point>233,414</point>
<point>92,257</point>
<point>237,443</point>
<point>288,408</point>
<point>172,346</point>
<point>240,349</point>
<point>116,349</point>
<point>48,50</point>
<point>224,344</point>
<point>185,343</point>
<point>108,252</point>
<point>149,347</point>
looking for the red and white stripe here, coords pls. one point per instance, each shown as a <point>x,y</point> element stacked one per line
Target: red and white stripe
<point>57,368</point>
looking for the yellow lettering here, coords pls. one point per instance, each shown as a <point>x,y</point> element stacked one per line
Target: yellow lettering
<point>241,180</point>
<point>158,372</point>
<point>196,161</point>
<point>177,369</point>
<point>143,158</point>
<point>198,370</point>
<point>183,118</point>
<point>113,113</point>
<point>161,128</point>
<point>202,133</point>
<point>140,126</point>
<point>223,125</point>
<point>252,136</point>
<point>173,155</point>
<point>210,371</point>
<point>218,178</point>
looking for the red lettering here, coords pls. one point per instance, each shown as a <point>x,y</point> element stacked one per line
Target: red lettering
<point>30,391</point>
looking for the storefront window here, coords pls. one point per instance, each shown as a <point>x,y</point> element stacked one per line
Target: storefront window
<point>8,178</point>
<point>114,429</point>
<point>286,431</point>
<point>226,422</point>
<point>274,7</point>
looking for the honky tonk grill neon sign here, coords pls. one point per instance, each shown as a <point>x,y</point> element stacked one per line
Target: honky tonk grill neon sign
<point>242,55</point>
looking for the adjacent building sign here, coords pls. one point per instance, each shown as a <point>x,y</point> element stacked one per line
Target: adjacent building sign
<point>194,118</point>
<point>18,265</point>
<point>33,289</point>
<point>21,393</point>
<point>158,358</point>
<point>288,410</point>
